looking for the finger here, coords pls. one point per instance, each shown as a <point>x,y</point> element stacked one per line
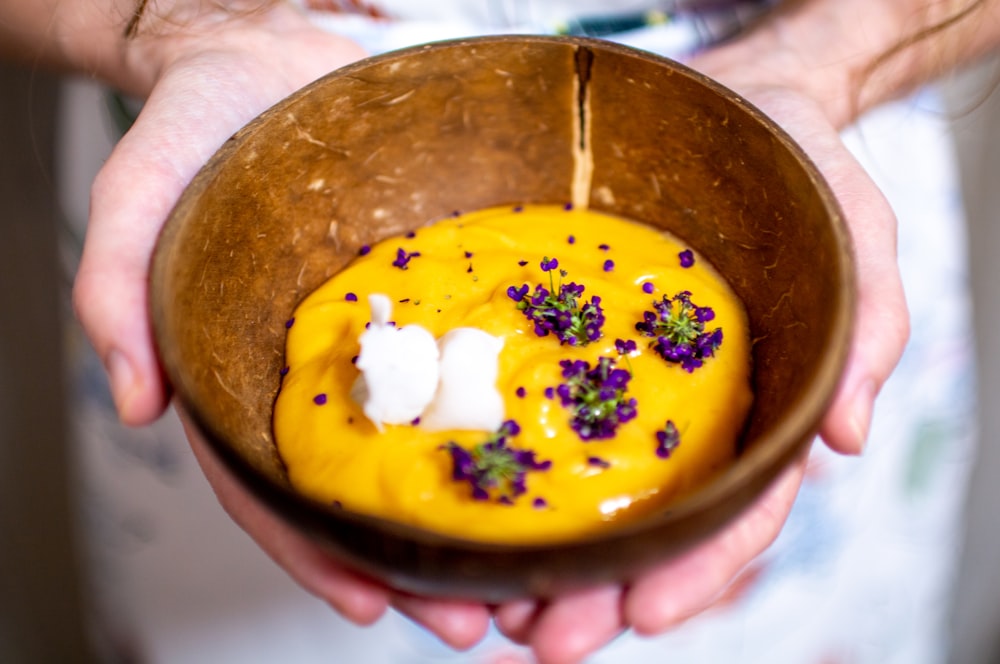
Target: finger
<point>688,585</point>
<point>515,619</point>
<point>575,625</point>
<point>358,599</point>
<point>460,625</point>
<point>881,326</point>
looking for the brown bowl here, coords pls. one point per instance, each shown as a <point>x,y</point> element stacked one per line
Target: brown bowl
<point>397,141</point>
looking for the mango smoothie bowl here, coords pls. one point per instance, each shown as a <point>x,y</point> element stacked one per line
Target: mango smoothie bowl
<point>506,316</point>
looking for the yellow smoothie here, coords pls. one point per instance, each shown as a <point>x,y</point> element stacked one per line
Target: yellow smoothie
<point>673,426</point>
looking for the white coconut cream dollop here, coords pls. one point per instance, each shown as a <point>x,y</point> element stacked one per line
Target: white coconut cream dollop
<point>405,374</point>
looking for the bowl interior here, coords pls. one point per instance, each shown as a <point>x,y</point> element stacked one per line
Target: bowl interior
<point>394,142</point>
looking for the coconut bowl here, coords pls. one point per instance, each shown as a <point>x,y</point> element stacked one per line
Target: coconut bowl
<point>397,141</point>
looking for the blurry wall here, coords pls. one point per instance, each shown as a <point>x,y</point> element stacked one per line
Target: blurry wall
<point>41,608</point>
<point>975,106</point>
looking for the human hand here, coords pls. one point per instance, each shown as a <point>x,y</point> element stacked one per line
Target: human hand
<point>568,628</point>
<point>203,84</point>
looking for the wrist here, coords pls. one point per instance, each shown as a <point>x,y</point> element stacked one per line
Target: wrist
<point>848,56</point>
<point>128,44</point>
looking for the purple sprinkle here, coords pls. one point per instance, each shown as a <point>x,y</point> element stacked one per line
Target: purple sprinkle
<point>284,371</point>
<point>411,234</point>
<point>469,269</point>
<point>319,399</point>
<point>522,263</point>
<point>647,287</point>
<point>598,462</point>
<point>550,392</point>
<point>604,247</point>
<point>609,265</point>
<point>363,251</point>
<point>289,323</point>
<point>687,258</point>
<point>415,421</point>
<point>521,392</point>
<point>351,297</point>
<point>571,239</point>
<point>468,254</point>
<point>568,207</point>
<point>403,258</point>
<point>539,503</point>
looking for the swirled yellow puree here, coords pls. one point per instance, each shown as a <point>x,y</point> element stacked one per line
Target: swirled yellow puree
<point>672,426</point>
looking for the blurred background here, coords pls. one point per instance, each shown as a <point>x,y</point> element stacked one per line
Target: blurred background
<point>113,548</point>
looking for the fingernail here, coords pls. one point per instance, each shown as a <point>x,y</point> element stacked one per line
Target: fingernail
<point>861,413</point>
<point>122,378</point>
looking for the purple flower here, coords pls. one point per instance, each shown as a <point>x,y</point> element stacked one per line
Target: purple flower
<point>495,467</point>
<point>560,311</point>
<point>596,397</point>
<point>686,257</point>
<point>667,440</point>
<point>403,258</point>
<point>517,294</point>
<point>677,327</point>
<point>625,347</point>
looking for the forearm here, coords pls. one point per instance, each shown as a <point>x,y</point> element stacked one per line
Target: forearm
<point>851,55</point>
<point>125,43</point>
<point>73,35</point>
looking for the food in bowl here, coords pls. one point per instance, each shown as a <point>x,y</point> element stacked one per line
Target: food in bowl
<point>587,370</point>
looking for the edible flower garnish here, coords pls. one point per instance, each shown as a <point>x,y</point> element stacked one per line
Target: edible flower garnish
<point>403,258</point>
<point>667,439</point>
<point>575,323</point>
<point>596,397</point>
<point>677,326</point>
<point>495,468</point>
